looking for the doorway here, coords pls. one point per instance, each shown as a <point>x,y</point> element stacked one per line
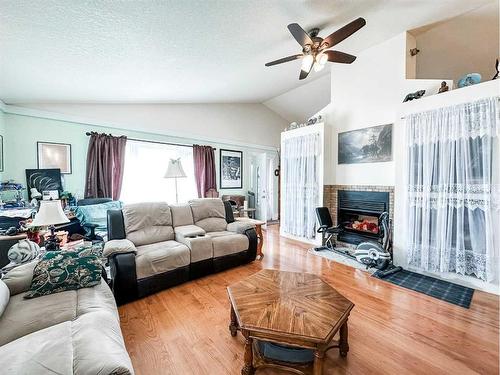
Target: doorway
<point>264,184</point>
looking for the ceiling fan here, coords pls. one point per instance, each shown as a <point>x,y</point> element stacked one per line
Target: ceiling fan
<point>314,49</point>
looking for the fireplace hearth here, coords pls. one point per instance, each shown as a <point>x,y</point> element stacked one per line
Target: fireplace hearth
<point>358,213</point>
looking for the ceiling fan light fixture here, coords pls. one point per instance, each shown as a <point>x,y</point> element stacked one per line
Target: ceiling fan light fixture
<point>307,61</point>
<point>318,67</point>
<point>322,58</point>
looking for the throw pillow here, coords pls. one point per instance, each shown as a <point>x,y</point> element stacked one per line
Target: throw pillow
<point>4,296</point>
<point>96,214</point>
<point>59,271</point>
<point>87,250</point>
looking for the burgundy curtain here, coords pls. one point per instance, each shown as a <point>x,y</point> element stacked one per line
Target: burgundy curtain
<point>204,169</point>
<point>105,160</point>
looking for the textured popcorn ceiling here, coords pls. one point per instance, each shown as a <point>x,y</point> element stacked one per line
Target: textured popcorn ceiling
<point>179,51</point>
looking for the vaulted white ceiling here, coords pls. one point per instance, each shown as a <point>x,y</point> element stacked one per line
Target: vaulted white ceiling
<point>196,51</point>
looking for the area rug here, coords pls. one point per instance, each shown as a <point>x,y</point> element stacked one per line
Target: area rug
<point>440,289</point>
<point>339,258</point>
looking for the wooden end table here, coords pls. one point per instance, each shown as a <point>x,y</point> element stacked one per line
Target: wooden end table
<point>288,308</point>
<point>258,228</point>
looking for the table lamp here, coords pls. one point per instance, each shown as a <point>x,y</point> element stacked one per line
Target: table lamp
<point>175,170</point>
<point>49,214</point>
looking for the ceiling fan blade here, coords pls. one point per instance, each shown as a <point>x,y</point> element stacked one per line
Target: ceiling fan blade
<point>284,60</point>
<point>299,34</point>
<point>305,70</point>
<point>343,33</point>
<point>340,57</point>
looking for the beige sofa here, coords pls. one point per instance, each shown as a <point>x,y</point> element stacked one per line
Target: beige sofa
<point>153,246</point>
<point>73,332</point>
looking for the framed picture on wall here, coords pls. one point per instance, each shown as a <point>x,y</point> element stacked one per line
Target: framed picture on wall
<point>43,180</point>
<point>231,169</point>
<point>367,145</point>
<point>1,153</point>
<point>54,155</point>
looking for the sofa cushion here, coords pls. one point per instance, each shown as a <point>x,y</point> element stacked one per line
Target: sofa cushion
<point>231,243</point>
<point>48,351</point>
<point>98,346</point>
<point>209,213</point>
<point>24,316</point>
<point>160,257</point>
<point>91,344</point>
<point>19,279</point>
<point>4,297</point>
<point>181,215</point>
<point>148,223</point>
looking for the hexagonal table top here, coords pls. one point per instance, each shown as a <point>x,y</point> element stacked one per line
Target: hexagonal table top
<point>289,303</point>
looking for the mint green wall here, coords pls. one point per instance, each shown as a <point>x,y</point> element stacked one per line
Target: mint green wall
<point>2,133</point>
<point>23,132</point>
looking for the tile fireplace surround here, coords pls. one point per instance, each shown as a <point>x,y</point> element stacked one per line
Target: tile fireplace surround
<point>330,196</point>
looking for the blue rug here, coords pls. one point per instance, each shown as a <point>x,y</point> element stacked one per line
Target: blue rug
<point>440,289</point>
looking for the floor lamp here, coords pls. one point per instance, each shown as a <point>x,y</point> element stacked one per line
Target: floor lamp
<point>175,171</point>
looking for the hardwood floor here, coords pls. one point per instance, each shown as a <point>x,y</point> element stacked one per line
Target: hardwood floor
<point>184,330</point>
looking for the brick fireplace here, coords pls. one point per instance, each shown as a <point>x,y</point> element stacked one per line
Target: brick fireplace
<point>331,195</point>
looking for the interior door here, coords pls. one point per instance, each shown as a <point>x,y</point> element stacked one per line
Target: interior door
<point>261,191</point>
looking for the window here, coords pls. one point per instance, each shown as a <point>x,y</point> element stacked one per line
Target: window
<point>145,166</point>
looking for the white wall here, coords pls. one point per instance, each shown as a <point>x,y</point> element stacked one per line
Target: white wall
<point>370,92</point>
<point>23,127</point>
<point>303,102</point>
<point>248,124</point>
<point>364,94</point>
<point>464,44</point>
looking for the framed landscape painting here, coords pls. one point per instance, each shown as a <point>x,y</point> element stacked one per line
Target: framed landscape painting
<point>54,155</point>
<point>231,167</point>
<point>367,145</point>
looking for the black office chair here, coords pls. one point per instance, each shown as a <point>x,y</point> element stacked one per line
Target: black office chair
<point>90,228</point>
<point>326,228</point>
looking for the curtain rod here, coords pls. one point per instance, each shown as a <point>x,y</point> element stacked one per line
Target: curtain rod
<point>402,118</point>
<point>157,142</point>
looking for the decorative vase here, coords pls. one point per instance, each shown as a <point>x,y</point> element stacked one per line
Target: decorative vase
<point>23,251</point>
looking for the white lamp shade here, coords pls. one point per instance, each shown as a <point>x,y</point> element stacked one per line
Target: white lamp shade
<point>175,169</point>
<point>50,213</point>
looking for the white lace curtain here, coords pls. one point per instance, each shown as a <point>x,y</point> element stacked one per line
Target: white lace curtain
<point>300,185</point>
<point>452,163</point>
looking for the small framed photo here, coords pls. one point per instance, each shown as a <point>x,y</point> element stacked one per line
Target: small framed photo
<point>47,195</point>
<point>54,155</point>
<point>231,169</point>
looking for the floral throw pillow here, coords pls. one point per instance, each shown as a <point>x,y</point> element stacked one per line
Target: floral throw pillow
<point>59,271</point>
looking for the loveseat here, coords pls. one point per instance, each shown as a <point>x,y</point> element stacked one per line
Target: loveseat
<point>72,332</point>
<point>152,246</point>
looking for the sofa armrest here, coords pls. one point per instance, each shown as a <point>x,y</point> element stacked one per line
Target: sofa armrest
<point>240,227</point>
<point>188,231</point>
<point>252,244</point>
<point>124,276</point>
<point>118,247</point>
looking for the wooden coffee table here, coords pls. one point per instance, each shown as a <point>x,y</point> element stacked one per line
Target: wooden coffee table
<point>295,309</point>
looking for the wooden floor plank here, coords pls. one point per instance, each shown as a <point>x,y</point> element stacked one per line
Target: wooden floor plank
<point>392,330</point>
